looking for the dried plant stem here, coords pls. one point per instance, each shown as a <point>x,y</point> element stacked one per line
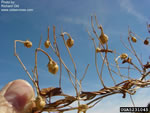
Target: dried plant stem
<point>129,71</point>
<point>118,68</point>
<point>132,101</point>
<point>123,76</point>
<point>83,78</point>
<point>62,34</point>
<point>95,103</point>
<point>98,98</point>
<point>69,71</point>
<point>37,78</point>
<point>35,84</point>
<point>136,67</point>
<point>84,73</point>
<point>24,68</point>
<point>39,49</point>
<point>98,26</point>
<point>107,64</point>
<point>126,46</point>
<point>70,57</point>
<point>148,73</point>
<point>135,53</point>
<point>71,80</point>
<point>100,75</point>
<point>35,68</point>
<point>40,42</point>
<point>58,55</point>
<point>20,59</point>
<point>48,34</point>
<point>60,71</point>
<point>93,28</point>
<point>109,69</point>
<point>123,67</point>
<point>54,34</point>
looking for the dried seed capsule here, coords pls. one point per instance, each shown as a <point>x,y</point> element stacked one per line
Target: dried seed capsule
<point>146,42</point>
<point>98,50</point>
<point>123,56</point>
<point>129,60</point>
<point>47,44</point>
<point>28,44</point>
<point>133,39</point>
<point>103,37</point>
<point>53,67</point>
<point>70,42</point>
<point>40,102</point>
<point>83,108</point>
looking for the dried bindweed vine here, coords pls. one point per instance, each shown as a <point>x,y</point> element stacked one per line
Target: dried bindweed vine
<point>129,85</point>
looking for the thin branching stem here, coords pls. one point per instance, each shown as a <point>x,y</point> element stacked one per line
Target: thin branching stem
<point>132,100</point>
<point>118,68</point>
<point>107,64</point>
<point>15,53</point>
<point>62,34</point>
<point>100,75</point>
<point>94,28</point>
<point>135,53</point>
<point>58,55</point>
<point>84,73</point>
<point>99,98</point>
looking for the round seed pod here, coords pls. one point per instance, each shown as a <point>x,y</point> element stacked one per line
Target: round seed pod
<point>70,42</point>
<point>28,44</point>
<point>53,67</point>
<point>146,42</point>
<point>103,37</point>
<point>123,56</point>
<point>40,102</point>
<point>82,107</point>
<point>133,39</point>
<point>47,44</point>
<point>98,49</point>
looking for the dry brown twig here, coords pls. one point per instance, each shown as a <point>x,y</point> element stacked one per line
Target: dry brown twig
<point>128,85</point>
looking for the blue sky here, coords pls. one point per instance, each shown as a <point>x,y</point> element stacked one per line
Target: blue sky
<point>74,17</point>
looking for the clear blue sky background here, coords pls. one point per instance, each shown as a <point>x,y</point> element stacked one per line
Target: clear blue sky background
<point>74,17</point>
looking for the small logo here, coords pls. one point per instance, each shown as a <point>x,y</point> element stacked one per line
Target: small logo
<point>134,109</point>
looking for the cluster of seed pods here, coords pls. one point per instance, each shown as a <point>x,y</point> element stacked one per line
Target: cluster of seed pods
<point>40,101</point>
